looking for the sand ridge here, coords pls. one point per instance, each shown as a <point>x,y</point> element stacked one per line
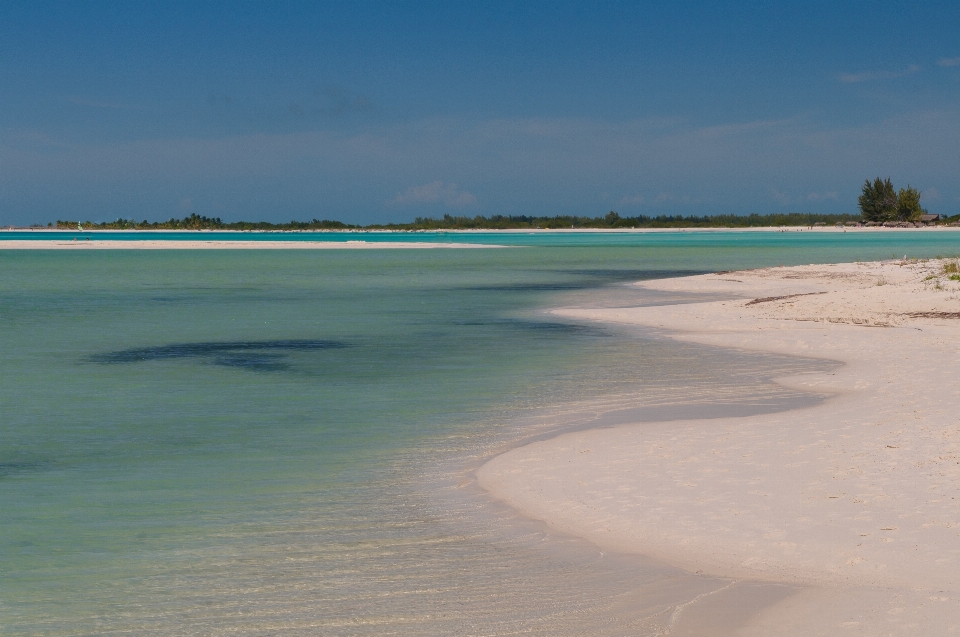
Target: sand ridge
<point>858,499</point>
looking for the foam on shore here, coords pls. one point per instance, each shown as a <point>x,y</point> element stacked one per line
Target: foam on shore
<point>857,499</point>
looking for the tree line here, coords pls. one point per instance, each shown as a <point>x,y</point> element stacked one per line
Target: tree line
<point>879,202</point>
<point>479,222</point>
<point>199,222</point>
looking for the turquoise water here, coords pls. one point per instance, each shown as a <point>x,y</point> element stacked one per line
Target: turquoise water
<point>791,244</point>
<point>269,442</point>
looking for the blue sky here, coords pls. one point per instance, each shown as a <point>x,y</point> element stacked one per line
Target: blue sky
<point>369,112</point>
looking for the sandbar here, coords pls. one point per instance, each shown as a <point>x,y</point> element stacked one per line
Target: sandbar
<point>160,244</point>
<point>855,500</point>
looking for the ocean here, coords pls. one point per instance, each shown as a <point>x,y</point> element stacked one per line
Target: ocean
<point>270,442</point>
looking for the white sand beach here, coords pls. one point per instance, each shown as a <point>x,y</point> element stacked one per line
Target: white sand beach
<point>160,244</point>
<point>855,500</point>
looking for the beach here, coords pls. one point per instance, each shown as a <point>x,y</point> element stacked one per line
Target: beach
<point>855,501</point>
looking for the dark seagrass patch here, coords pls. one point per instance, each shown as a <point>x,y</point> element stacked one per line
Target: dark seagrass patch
<point>264,356</point>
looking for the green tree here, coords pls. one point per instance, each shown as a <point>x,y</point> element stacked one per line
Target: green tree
<point>878,201</point>
<point>612,217</point>
<point>908,204</point>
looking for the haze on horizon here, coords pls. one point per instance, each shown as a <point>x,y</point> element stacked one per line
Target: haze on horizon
<point>375,111</point>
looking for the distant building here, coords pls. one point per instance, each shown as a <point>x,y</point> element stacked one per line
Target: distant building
<point>929,218</point>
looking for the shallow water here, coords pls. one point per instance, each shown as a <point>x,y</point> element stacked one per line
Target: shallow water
<point>280,442</point>
<point>793,246</point>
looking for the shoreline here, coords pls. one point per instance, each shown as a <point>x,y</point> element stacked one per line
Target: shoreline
<point>856,499</point>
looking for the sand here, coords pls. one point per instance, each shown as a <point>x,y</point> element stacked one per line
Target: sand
<point>855,500</point>
<point>153,244</point>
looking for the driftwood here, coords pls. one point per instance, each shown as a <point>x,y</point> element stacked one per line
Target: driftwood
<point>942,315</point>
<point>767,299</point>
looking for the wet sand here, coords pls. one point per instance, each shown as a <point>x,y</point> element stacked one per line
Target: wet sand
<point>855,501</point>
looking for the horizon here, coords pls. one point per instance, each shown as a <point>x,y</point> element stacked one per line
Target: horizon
<point>611,221</point>
<point>373,113</point>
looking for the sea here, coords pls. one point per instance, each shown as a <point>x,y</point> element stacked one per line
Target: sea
<point>281,442</point>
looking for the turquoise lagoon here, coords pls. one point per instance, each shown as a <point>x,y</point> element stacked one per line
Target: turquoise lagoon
<point>279,442</point>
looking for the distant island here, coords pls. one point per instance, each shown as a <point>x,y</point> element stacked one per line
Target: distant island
<point>880,204</point>
<point>479,222</point>
<point>496,222</point>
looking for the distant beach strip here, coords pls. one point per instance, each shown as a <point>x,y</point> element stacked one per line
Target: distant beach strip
<point>44,239</point>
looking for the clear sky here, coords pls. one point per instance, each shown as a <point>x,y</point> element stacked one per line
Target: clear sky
<point>367,111</point>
